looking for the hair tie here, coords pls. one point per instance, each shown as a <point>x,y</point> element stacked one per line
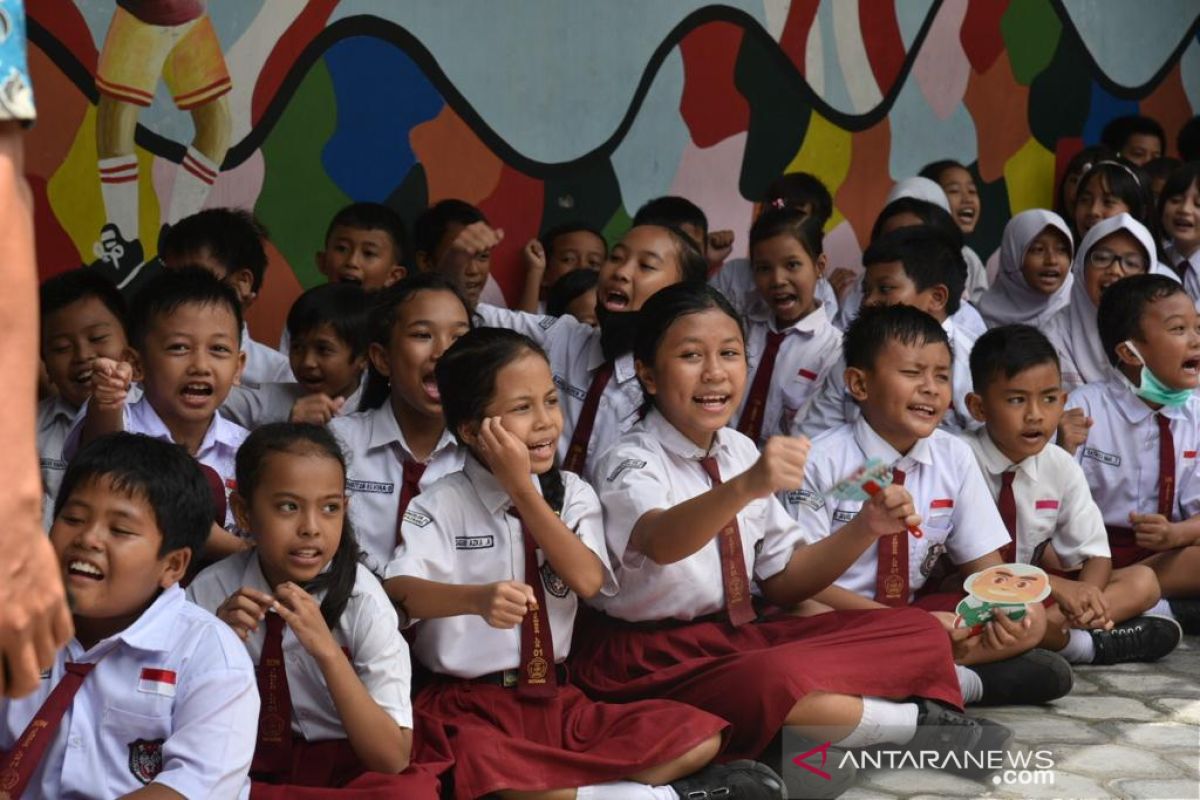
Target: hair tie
<point>778,202</point>
<point>1125,167</point>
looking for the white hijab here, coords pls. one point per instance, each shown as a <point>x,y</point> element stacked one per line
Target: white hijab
<point>919,189</point>
<point>1011,300</point>
<point>1080,334</point>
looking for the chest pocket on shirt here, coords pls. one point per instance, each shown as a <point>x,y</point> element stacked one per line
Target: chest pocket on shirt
<point>939,521</point>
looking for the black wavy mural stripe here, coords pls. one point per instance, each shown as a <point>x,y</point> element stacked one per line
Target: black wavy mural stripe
<point>365,25</point>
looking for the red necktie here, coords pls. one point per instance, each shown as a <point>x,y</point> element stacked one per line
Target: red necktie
<point>891,563</point>
<point>537,676</point>
<point>1166,466</point>
<point>410,487</point>
<point>19,764</point>
<point>273,753</point>
<point>577,452</point>
<point>756,402</point>
<point>1007,503</point>
<point>217,487</point>
<point>733,563</point>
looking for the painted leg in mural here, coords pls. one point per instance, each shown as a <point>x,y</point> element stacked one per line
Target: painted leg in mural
<point>119,251</point>
<point>202,162</point>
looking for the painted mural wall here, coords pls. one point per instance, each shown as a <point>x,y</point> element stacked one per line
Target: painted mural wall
<point>540,111</point>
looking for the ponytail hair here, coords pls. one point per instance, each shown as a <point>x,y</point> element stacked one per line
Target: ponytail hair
<point>305,438</point>
<point>474,361</point>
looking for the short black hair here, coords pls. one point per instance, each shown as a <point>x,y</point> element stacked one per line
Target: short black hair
<point>1122,305</point>
<point>804,228</point>
<point>567,288</point>
<point>372,217</point>
<point>1188,141</point>
<point>232,236</point>
<point>82,283</point>
<point>875,326</point>
<point>162,473</point>
<point>172,288</point>
<point>343,306</point>
<point>928,258</point>
<point>797,189</point>
<point>434,221</point>
<point>550,235</point>
<point>1161,168</point>
<point>672,210</point>
<point>934,169</point>
<point>1117,132</point>
<point>929,213</point>
<point>1007,350</point>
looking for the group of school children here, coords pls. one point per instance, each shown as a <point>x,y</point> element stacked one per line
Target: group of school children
<point>599,548</point>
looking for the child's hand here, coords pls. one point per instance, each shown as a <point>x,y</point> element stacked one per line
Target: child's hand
<point>110,382</point>
<point>244,610</point>
<point>1156,532</point>
<point>317,408</point>
<point>720,245</point>
<point>889,511</point>
<point>841,279</point>
<point>504,604</point>
<point>1000,633</point>
<point>780,467</point>
<point>1073,429</point>
<point>535,259</point>
<point>302,614</point>
<point>1083,604</point>
<point>505,455</point>
<point>472,241</point>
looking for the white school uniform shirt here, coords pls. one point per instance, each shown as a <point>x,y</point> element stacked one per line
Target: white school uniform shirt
<point>264,364</point>
<point>376,449</point>
<point>811,347</point>
<point>1054,503</point>
<point>175,692</point>
<point>368,630</point>
<point>832,405</point>
<point>1120,456</point>
<point>575,354</point>
<point>655,466</point>
<point>459,532</point>
<point>253,406</point>
<point>218,449</point>
<point>1188,268</point>
<point>958,515</point>
<point>735,280</point>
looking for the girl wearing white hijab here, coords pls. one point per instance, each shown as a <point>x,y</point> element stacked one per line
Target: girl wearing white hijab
<point>1073,330</point>
<point>1034,281</point>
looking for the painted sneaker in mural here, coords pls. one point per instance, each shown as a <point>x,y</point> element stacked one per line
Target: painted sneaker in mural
<point>118,259</point>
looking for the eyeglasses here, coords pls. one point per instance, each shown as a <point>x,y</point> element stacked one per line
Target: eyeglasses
<point>1130,263</point>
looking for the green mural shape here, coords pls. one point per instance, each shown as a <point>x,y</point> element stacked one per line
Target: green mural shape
<point>779,115</point>
<point>298,199</point>
<point>616,227</point>
<point>1031,31</point>
<point>588,192</point>
<point>408,200</point>
<point>1060,97</point>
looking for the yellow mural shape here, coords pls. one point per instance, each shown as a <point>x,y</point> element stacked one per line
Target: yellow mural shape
<point>74,194</point>
<point>1029,176</point>
<point>825,153</point>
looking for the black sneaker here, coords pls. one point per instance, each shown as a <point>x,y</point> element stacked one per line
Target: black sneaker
<point>1145,638</point>
<point>972,748</point>
<point>1187,612</point>
<point>732,781</point>
<point>1032,678</point>
<point>816,769</point>
<point>119,260</point>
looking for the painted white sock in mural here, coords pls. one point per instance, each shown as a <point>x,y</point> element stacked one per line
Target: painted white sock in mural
<point>119,188</point>
<point>193,181</point>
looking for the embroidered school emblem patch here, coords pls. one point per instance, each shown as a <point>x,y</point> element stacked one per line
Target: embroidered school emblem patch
<point>145,759</point>
<point>554,584</point>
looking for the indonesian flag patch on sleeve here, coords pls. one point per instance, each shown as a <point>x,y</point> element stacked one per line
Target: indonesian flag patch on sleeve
<point>157,681</point>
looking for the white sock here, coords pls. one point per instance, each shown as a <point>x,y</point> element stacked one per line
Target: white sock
<point>883,721</point>
<point>193,180</point>
<point>1079,648</point>
<point>969,684</point>
<point>1161,609</point>
<point>119,189</point>
<point>620,790</point>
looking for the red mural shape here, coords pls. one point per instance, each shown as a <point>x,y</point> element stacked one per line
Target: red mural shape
<point>882,42</point>
<point>287,50</point>
<point>55,251</point>
<point>712,107</point>
<point>794,38</point>
<point>63,22</point>
<point>515,207</point>
<point>981,37</point>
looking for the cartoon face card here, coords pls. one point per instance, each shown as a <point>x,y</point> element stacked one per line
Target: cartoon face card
<point>1007,587</point>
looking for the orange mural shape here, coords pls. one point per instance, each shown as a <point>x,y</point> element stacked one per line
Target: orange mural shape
<point>457,164</point>
<point>861,196</point>
<point>1169,105</point>
<point>1000,108</point>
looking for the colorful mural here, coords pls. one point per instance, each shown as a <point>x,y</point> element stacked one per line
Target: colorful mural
<point>539,111</point>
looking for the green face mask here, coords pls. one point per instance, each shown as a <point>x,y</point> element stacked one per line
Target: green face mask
<point>1155,391</point>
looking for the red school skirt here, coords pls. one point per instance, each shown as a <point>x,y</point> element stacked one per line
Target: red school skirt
<point>502,741</point>
<point>752,675</point>
<point>330,769</point>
